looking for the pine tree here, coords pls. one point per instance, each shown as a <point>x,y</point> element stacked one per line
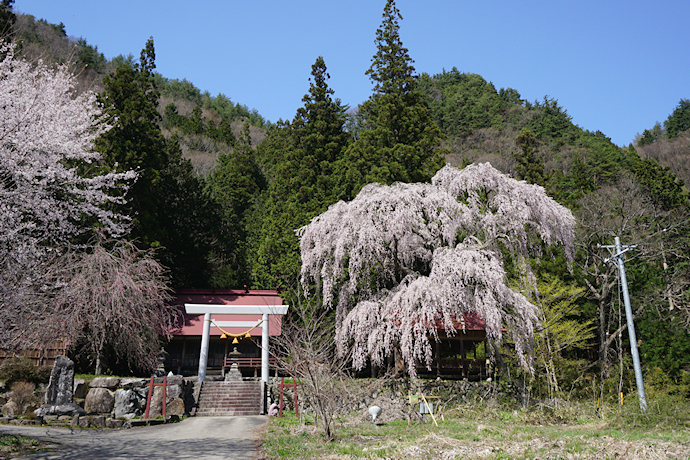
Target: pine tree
<point>7,19</point>
<point>400,139</point>
<point>679,120</point>
<point>304,183</point>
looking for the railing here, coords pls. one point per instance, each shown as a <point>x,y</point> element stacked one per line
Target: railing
<point>248,362</point>
<point>472,368</point>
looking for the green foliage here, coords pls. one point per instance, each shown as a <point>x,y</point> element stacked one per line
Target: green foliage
<point>529,167</point>
<point>664,342</point>
<point>7,18</point>
<point>235,184</point>
<point>665,189</point>
<point>305,180</point>
<point>510,96</point>
<point>462,103</point>
<point>178,89</point>
<point>565,329</point>
<point>227,110</point>
<point>649,136</point>
<point>23,369</point>
<point>195,124</point>
<point>168,204</point>
<point>89,56</point>
<point>190,224</point>
<point>679,120</point>
<point>399,141</point>
<point>135,141</point>
<point>551,122</point>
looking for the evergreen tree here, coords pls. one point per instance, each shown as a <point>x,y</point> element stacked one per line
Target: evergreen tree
<point>400,140</point>
<point>305,182</point>
<point>649,136</point>
<point>679,120</point>
<point>529,167</point>
<point>135,141</point>
<point>190,222</point>
<point>235,184</point>
<point>7,19</point>
<point>167,203</point>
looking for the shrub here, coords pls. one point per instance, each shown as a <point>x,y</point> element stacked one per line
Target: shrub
<point>23,395</point>
<point>16,369</point>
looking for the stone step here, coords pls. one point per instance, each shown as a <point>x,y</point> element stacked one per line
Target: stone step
<point>229,398</point>
<point>224,413</point>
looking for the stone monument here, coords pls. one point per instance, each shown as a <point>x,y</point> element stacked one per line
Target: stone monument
<point>58,399</point>
<point>234,374</point>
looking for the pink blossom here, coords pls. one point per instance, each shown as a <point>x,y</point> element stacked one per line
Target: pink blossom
<point>397,259</point>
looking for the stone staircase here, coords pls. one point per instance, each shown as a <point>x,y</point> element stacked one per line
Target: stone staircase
<point>230,398</point>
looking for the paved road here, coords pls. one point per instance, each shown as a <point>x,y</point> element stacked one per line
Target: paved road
<point>194,437</point>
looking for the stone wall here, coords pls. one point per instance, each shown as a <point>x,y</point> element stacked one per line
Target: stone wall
<point>392,394</point>
<point>126,398</point>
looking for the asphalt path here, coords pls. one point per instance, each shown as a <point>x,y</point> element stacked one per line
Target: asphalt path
<point>194,437</point>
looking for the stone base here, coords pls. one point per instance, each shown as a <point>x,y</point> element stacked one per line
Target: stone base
<point>234,374</point>
<point>61,409</point>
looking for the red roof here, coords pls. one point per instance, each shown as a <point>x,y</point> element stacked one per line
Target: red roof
<point>193,324</point>
<point>472,323</point>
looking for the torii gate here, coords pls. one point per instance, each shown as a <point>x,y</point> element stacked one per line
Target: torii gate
<point>207,310</point>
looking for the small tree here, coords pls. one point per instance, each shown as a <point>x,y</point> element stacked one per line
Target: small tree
<point>115,299</point>
<point>305,351</point>
<point>399,260</point>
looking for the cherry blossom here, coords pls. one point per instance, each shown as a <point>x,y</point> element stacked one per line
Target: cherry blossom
<point>398,260</point>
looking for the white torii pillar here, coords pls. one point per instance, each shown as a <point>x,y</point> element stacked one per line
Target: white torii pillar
<point>207,310</point>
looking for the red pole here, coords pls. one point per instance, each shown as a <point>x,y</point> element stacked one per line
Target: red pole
<point>148,400</point>
<point>165,394</point>
<point>280,406</point>
<point>296,401</point>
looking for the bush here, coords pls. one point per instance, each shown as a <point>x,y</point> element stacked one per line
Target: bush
<point>23,395</point>
<point>23,369</point>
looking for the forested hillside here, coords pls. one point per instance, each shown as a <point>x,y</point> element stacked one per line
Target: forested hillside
<point>222,191</point>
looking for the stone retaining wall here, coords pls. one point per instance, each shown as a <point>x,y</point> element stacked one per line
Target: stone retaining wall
<point>113,398</point>
<point>392,394</point>
<point>126,398</point>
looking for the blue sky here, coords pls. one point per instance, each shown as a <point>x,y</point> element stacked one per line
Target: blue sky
<point>615,66</point>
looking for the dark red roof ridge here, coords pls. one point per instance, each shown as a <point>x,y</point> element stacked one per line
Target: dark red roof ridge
<point>227,292</point>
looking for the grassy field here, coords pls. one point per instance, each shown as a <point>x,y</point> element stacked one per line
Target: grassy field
<point>570,431</point>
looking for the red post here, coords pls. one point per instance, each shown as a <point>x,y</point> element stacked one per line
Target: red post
<point>148,399</point>
<point>165,394</point>
<point>280,404</point>
<point>282,386</point>
<point>150,396</point>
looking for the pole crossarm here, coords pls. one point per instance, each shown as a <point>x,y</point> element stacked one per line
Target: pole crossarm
<point>625,249</point>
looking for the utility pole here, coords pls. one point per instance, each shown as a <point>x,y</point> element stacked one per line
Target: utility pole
<point>629,316</point>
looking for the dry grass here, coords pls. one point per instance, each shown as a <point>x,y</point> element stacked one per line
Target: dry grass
<point>488,431</point>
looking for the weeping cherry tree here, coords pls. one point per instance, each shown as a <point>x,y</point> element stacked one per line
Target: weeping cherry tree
<point>400,261</point>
